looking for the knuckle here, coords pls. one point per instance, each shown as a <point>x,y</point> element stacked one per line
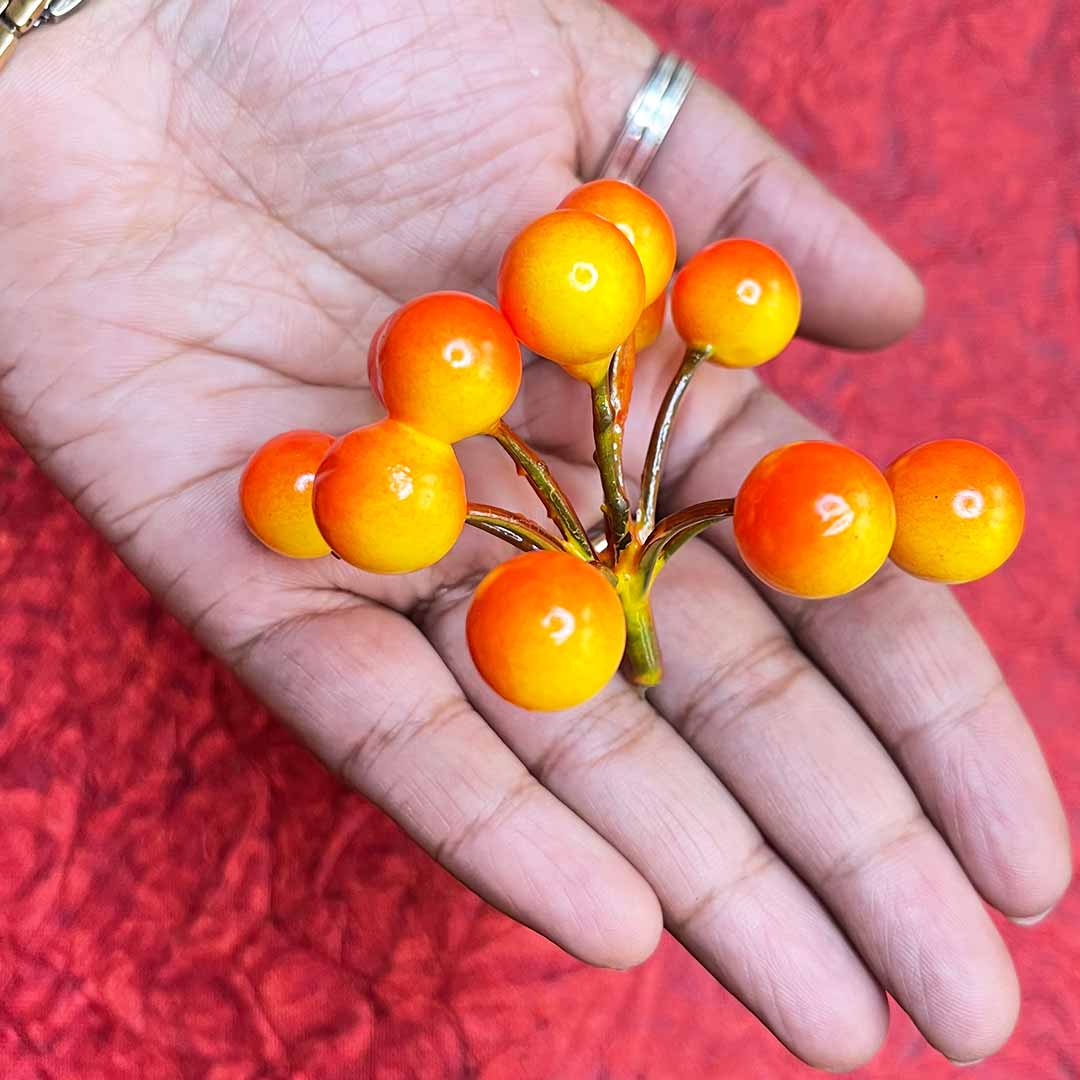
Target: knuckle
<point>879,845</point>
<point>388,735</point>
<point>758,861</point>
<point>742,687</point>
<point>611,730</point>
<point>451,848</point>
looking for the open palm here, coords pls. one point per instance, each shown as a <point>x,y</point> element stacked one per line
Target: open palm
<point>205,211</point>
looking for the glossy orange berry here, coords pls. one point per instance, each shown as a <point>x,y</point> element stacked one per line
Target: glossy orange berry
<point>546,631</point>
<point>642,220</point>
<point>374,348</point>
<point>651,323</point>
<point>814,519</point>
<point>572,287</point>
<point>959,510</point>
<point>738,298</point>
<point>447,364</point>
<point>390,499</point>
<point>275,493</point>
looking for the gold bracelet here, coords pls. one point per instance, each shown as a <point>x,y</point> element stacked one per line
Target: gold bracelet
<point>19,17</point>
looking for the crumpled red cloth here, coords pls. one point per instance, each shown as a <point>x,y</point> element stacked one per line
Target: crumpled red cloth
<point>185,893</point>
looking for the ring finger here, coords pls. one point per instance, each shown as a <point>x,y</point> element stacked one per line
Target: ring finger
<point>829,798</point>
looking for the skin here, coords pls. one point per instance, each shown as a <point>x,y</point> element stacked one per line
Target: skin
<point>814,519</point>
<point>212,209</point>
<point>740,299</point>
<point>541,612</point>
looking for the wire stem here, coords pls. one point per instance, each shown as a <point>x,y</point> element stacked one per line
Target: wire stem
<point>642,662</point>
<point>535,470</point>
<point>611,406</point>
<point>676,530</point>
<point>515,529</point>
<point>665,421</point>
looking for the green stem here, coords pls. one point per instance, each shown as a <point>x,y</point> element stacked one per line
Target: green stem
<point>558,506</point>
<point>665,420</point>
<point>642,661</point>
<point>514,528</point>
<point>611,406</point>
<point>676,530</point>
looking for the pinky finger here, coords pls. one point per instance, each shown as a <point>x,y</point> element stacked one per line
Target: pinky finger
<point>364,688</point>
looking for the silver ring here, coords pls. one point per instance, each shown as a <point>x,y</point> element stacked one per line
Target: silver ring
<point>649,119</point>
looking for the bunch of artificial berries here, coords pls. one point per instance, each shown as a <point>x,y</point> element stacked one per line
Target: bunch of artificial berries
<point>586,287</point>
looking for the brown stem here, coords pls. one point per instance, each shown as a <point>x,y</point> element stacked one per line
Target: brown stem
<point>665,420</point>
<point>515,529</point>
<point>536,471</point>
<point>611,406</point>
<point>676,530</point>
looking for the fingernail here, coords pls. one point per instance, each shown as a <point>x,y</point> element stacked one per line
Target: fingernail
<point>964,1064</point>
<point>1030,920</point>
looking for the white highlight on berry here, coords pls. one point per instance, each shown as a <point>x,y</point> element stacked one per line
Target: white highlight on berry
<point>401,481</point>
<point>627,231</point>
<point>584,276</point>
<point>458,353</point>
<point>835,511</point>
<point>748,291</point>
<point>559,623</point>
<point>303,483</point>
<point>968,504</point>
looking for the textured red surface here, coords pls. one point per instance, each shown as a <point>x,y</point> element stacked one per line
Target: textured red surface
<point>185,893</point>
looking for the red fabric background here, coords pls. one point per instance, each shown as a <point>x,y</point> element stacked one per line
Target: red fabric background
<point>184,893</point>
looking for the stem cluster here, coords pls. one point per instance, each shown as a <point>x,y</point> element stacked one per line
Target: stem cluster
<point>635,547</point>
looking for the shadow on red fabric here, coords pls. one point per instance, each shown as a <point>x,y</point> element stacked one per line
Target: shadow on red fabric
<point>185,892</point>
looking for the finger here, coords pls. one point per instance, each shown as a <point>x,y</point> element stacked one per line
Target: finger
<point>365,690</point>
<point>905,654</point>
<point>737,907</point>
<point>943,707</point>
<point>718,173</point>
<point>823,790</point>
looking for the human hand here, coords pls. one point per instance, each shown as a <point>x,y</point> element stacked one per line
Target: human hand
<point>206,212</point>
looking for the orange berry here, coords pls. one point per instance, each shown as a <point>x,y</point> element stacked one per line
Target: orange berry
<point>651,323</point>
<point>642,220</point>
<point>959,510</point>
<point>738,298</point>
<point>814,519</point>
<point>275,493</point>
<point>591,372</point>
<point>447,364</point>
<point>373,354</point>
<point>390,499</point>
<point>546,631</point>
<point>572,287</point>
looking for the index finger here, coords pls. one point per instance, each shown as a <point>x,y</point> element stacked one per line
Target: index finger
<point>367,692</point>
